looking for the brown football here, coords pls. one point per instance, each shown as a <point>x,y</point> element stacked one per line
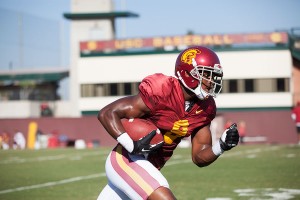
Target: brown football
<point>138,128</point>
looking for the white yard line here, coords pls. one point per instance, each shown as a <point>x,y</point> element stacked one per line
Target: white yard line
<point>54,183</point>
<point>49,158</point>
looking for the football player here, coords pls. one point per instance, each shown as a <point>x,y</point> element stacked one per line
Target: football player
<point>180,107</point>
<point>296,118</point>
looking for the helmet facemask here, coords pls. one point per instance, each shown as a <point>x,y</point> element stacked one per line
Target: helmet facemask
<point>211,75</point>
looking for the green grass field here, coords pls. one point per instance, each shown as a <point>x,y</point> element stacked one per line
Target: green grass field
<point>246,172</point>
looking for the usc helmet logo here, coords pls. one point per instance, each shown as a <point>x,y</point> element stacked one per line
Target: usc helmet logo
<point>188,55</point>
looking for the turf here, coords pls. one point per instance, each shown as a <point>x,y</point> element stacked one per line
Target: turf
<point>246,172</point>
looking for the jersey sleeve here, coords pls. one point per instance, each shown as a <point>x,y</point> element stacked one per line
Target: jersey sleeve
<point>154,90</point>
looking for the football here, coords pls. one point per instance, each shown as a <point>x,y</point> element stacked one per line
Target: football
<point>138,128</point>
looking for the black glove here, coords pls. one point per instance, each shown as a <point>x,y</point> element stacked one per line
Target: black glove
<point>143,146</point>
<point>230,138</point>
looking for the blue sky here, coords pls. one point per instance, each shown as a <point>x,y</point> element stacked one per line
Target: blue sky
<point>156,18</point>
<point>169,17</point>
<point>176,17</point>
<point>165,18</point>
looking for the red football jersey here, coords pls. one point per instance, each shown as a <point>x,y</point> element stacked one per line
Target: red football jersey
<point>296,112</point>
<point>164,97</point>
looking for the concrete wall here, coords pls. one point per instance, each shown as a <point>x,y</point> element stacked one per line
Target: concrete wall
<point>236,65</point>
<point>83,30</point>
<point>276,127</point>
<point>87,128</point>
<point>27,109</point>
<point>19,109</point>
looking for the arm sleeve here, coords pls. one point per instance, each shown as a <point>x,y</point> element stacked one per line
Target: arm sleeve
<point>154,90</point>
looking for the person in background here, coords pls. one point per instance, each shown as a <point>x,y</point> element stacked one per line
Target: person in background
<point>19,140</point>
<point>227,124</point>
<point>242,131</point>
<point>5,140</point>
<point>180,106</point>
<point>1,141</point>
<point>46,111</point>
<point>296,118</point>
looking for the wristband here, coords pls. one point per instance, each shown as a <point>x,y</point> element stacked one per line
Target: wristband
<point>216,149</point>
<point>126,142</point>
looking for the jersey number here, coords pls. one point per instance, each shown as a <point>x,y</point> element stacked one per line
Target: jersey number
<point>180,129</point>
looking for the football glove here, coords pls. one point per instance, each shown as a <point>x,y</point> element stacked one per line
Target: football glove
<point>140,147</point>
<point>143,146</point>
<point>230,138</point>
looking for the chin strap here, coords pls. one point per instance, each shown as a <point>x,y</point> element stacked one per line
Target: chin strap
<point>201,94</point>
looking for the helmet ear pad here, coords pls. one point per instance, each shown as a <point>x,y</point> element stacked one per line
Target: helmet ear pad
<point>188,79</point>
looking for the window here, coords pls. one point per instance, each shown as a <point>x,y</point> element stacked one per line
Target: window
<point>87,90</point>
<point>113,89</point>
<point>249,85</point>
<point>233,86</point>
<point>281,85</point>
<point>99,90</point>
<point>225,86</point>
<point>127,89</point>
<point>228,86</point>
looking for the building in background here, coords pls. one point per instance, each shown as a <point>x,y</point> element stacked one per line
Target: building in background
<point>261,71</point>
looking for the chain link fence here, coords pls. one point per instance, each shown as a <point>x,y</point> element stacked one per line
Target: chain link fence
<point>28,41</point>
